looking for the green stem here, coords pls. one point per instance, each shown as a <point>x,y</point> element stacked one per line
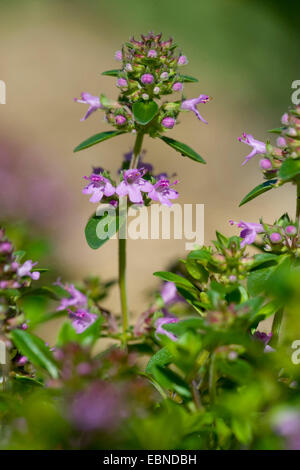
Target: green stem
<point>122,249</point>
<point>298,203</point>
<point>122,286</point>
<point>276,326</point>
<point>212,378</point>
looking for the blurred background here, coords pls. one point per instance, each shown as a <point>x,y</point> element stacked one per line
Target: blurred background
<point>245,54</point>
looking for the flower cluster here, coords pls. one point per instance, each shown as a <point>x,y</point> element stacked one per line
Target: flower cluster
<point>137,184</point>
<point>150,69</point>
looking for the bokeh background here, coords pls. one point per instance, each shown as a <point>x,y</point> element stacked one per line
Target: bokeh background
<point>245,54</point>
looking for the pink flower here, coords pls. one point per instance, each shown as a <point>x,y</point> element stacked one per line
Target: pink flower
<point>82,319</point>
<point>98,187</point>
<point>152,53</point>
<point>147,78</point>
<point>25,270</point>
<point>118,55</point>
<point>160,322</point>
<point>122,83</point>
<point>77,299</point>
<point>161,191</point>
<point>169,293</point>
<point>182,60</point>
<point>177,86</point>
<point>92,101</point>
<point>249,231</point>
<point>133,185</point>
<point>258,147</point>
<point>265,164</point>
<point>191,105</point>
<point>168,122</point>
<point>120,120</point>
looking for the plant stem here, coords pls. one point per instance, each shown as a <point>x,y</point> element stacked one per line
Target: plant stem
<point>137,150</point>
<point>122,248</point>
<point>276,326</point>
<point>212,378</point>
<point>298,203</point>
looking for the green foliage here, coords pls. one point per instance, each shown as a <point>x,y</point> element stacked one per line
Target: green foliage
<point>184,149</point>
<point>96,139</point>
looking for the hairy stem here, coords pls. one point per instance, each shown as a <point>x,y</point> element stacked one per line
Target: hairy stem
<point>122,248</point>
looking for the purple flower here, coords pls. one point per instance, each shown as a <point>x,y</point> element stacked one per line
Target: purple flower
<point>249,231</point>
<point>164,75</point>
<point>122,82</point>
<point>120,120</point>
<point>25,270</point>
<point>291,230</point>
<point>161,191</point>
<point>285,119</point>
<point>177,86</point>
<point>133,184</point>
<point>263,337</point>
<point>92,101</point>
<point>281,142</point>
<point>82,319</point>
<point>147,78</point>
<point>182,60</point>
<point>168,122</point>
<point>287,424</point>
<point>6,247</point>
<point>152,53</point>
<point>265,164</point>
<point>118,55</point>
<point>258,147</point>
<point>169,293</point>
<point>191,105</point>
<point>77,299</point>
<point>98,187</point>
<point>160,322</point>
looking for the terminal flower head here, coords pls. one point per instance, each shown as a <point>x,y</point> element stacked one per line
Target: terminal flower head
<point>92,101</point>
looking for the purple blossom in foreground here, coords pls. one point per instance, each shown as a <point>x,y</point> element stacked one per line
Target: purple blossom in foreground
<point>25,270</point>
<point>92,101</point>
<point>161,191</point>
<point>160,322</point>
<point>287,424</point>
<point>98,187</point>
<point>133,185</point>
<point>77,299</point>
<point>191,105</point>
<point>258,147</point>
<point>82,319</point>
<point>169,293</point>
<point>249,231</point>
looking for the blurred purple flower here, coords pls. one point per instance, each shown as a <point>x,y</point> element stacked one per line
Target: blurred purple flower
<point>287,424</point>
<point>191,105</point>
<point>98,187</point>
<point>160,322</point>
<point>92,101</point>
<point>77,299</point>
<point>161,191</point>
<point>82,319</point>
<point>168,122</point>
<point>258,147</point>
<point>249,231</point>
<point>169,293</point>
<point>25,270</point>
<point>133,185</point>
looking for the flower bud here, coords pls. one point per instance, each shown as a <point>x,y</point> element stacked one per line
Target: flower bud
<point>291,131</point>
<point>118,55</point>
<point>285,119</point>
<point>120,120</point>
<point>168,122</point>
<point>177,86</point>
<point>265,164</point>
<point>290,230</point>
<point>122,83</point>
<point>281,142</point>
<point>145,96</point>
<point>164,76</point>
<point>182,60</point>
<point>128,67</point>
<point>156,90</point>
<point>147,78</point>
<point>275,237</point>
<point>152,54</point>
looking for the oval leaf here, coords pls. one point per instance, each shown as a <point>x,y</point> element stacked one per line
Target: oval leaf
<point>144,112</point>
<point>289,169</point>
<point>96,139</point>
<point>184,149</point>
<point>258,190</point>
<point>109,226</point>
<point>35,350</point>
<point>178,280</point>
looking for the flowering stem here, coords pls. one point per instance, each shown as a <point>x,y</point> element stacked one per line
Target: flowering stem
<point>122,285</point>
<point>137,150</point>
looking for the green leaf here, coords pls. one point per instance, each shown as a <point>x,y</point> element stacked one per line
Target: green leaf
<point>264,260</point>
<point>178,280</point>
<point>257,280</point>
<point>162,358</point>
<point>111,73</point>
<point>277,130</point>
<point>172,381</point>
<point>184,149</point>
<point>96,139</point>
<point>289,169</point>
<point>99,229</point>
<point>188,79</point>
<point>88,337</point>
<point>144,111</point>
<point>258,190</point>
<point>35,350</point>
